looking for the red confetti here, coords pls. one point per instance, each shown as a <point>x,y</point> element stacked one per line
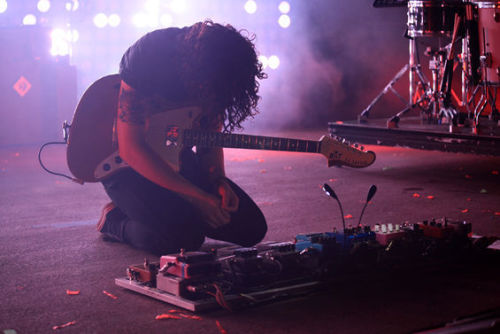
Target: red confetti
<point>173,311</point>
<point>189,316</point>
<point>497,213</point>
<point>17,154</point>
<point>166,316</point>
<point>339,122</point>
<point>263,171</point>
<point>260,160</point>
<point>64,325</point>
<point>219,326</point>
<point>465,210</point>
<point>332,180</point>
<point>430,197</point>
<point>494,172</point>
<point>416,195</point>
<point>469,199</point>
<point>72,292</point>
<point>348,216</point>
<point>109,294</point>
<point>19,287</point>
<point>467,176</point>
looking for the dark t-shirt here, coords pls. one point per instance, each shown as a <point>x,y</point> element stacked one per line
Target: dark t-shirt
<point>152,64</point>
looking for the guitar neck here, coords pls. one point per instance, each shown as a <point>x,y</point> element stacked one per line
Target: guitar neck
<point>216,139</point>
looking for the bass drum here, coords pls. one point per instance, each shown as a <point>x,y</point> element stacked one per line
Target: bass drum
<point>488,19</point>
<point>484,46</point>
<point>432,18</point>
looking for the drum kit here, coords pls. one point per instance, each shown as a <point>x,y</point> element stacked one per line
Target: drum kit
<point>466,59</point>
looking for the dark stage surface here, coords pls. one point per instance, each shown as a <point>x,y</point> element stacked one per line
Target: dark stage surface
<point>48,244</point>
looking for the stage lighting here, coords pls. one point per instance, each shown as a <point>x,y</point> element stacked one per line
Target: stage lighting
<point>73,35</point>
<point>264,61</point>
<point>250,6</point>
<point>72,5</point>
<point>152,6</point>
<point>274,62</point>
<point>166,20</point>
<point>114,20</point>
<point>178,6</point>
<point>29,20</point>
<point>43,5</point>
<point>284,21</point>
<point>284,7</point>
<point>140,20</point>
<point>3,6</point>
<point>100,20</point>
<point>60,45</point>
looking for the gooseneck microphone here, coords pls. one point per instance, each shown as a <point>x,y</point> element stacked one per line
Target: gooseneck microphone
<point>329,191</point>
<point>371,193</point>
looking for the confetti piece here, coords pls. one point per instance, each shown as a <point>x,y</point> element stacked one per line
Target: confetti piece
<point>416,195</point>
<point>72,292</point>
<point>497,213</point>
<point>263,171</point>
<point>483,191</point>
<point>465,210</point>
<point>189,316</point>
<point>339,122</point>
<point>19,287</point>
<point>386,168</point>
<point>430,197</point>
<point>348,216</point>
<point>219,326</point>
<point>494,172</point>
<point>109,294</point>
<point>17,154</point>
<point>332,180</point>
<point>469,199</point>
<point>64,325</point>
<point>287,168</point>
<point>166,316</point>
<point>173,311</point>
<point>260,160</point>
<point>467,176</point>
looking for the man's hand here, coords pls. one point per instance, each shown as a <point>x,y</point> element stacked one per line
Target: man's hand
<point>230,200</point>
<point>211,210</point>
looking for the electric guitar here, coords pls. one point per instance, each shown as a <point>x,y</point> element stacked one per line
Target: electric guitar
<point>92,152</point>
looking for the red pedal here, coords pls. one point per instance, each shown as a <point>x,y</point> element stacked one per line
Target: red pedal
<point>189,264</point>
<point>386,233</point>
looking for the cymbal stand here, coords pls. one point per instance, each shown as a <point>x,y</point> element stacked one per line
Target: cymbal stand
<point>414,69</point>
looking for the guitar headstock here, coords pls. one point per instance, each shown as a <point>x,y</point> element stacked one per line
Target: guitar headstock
<point>339,152</point>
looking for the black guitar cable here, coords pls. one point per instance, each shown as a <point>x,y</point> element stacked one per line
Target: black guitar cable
<point>66,126</point>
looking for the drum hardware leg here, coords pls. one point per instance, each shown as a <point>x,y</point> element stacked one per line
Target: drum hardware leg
<point>393,122</point>
<point>494,115</point>
<point>365,114</point>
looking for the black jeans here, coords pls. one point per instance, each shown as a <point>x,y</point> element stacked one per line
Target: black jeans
<point>155,219</point>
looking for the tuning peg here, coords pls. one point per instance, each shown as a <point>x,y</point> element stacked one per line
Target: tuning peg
<point>356,145</point>
<point>362,148</point>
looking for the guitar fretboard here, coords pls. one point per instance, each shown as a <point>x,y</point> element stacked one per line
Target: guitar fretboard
<point>216,139</point>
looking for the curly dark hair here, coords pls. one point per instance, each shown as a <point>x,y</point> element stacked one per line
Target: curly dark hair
<point>221,70</point>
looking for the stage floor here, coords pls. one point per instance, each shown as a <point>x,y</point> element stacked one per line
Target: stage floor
<point>48,244</point>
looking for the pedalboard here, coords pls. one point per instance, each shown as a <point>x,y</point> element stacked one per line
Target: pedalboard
<point>242,276</point>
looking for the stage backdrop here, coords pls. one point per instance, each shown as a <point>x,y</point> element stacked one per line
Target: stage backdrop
<point>37,92</point>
